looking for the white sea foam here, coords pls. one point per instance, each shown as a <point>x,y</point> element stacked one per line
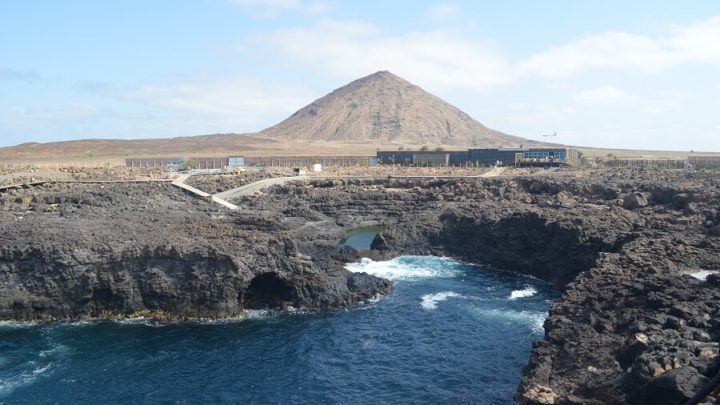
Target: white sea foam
<point>57,350</point>
<point>140,320</point>
<point>430,301</point>
<point>79,323</point>
<point>257,313</point>
<point>534,319</point>
<point>537,321</point>
<point>702,274</point>
<point>399,269</point>
<point>16,324</point>
<point>8,385</point>
<point>524,293</point>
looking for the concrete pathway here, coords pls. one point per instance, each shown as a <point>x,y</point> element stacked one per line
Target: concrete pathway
<point>180,182</point>
<point>252,188</point>
<point>496,171</point>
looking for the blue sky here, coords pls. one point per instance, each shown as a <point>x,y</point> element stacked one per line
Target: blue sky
<point>641,74</point>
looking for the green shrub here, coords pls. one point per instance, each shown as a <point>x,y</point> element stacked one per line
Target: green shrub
<point>189,165</point>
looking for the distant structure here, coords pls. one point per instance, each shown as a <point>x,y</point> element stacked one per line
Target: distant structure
<point>691,162</point>
<point>307,161</point>
<point>482,157</point>
<point>704,161</point>
<point>237,162</point>
<point>656,163</point>
<point>469,157</point>
<point>173,163</point>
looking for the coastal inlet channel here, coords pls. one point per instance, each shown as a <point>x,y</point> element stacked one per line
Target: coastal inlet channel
<point>449,333</point>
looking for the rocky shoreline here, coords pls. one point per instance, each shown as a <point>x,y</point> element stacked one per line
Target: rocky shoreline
<point>631,327</point>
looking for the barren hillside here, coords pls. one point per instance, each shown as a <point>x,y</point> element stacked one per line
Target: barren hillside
<point>379,111</point>
<point>383,107</point>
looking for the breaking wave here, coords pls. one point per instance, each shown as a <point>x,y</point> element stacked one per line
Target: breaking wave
<point>442,316</point>
<point>430,302</point>
<point>406,267</point>
<point>534,319</point>
<point>8,385</point>
<point>524,293</point>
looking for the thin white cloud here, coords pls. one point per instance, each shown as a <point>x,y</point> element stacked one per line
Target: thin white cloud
<point>248,103</point>
<point>8,74</point>
<point>351,49</point>
<point>657,102</point>
<point>443,10</point>
<point>603,95</point>
<point>271,8</point>
<point>23,117</point>
<point>274,4</point>
<point>696,43</point>
<point>446,60</point>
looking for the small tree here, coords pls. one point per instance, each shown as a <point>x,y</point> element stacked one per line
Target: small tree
<point>401,147</point>
<point>425,148</point>
<point>189,165</point>
<point>439,149</point>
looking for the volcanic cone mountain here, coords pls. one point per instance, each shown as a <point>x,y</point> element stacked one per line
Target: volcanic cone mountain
<point>385,108</point>
<point>380,110</point>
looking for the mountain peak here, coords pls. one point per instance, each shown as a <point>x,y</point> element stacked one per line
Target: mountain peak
<point>382,78</point>
<point>384,107</point>
<point>382,75</point>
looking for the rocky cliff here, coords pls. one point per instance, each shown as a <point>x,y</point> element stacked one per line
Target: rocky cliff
<point>632,326</point>
<point>120,250</point>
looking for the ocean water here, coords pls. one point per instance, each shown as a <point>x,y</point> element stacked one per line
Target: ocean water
<point>361,238</point>
<point>449,333</point>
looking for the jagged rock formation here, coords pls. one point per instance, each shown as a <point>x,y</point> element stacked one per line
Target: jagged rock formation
<point>631,327</point>
<point>384,108</point>
<point>74,251</point>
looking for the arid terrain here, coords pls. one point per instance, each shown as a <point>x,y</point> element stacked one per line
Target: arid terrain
<point>380,111</point>
<point>386,109</point>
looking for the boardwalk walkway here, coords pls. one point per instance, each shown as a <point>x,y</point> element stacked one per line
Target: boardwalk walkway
<point>252,188</point>
<point>180,182</point>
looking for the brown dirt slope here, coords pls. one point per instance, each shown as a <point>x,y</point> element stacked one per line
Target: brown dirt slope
<point>385,108</point>
<point>380,111</point>
<point>219,144</point>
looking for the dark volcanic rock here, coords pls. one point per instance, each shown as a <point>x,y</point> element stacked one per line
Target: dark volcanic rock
<point>634,200</point>
<point>631,327</point>
<point>673,387</point>
<point>714,231</point>
<point>150,249</point>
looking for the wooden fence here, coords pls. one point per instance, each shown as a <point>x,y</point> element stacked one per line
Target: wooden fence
<point>659,163</point>
<point>303,161</point>
<point>704,162</point>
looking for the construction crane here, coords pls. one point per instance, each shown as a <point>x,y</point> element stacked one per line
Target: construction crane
<point>548,135</point>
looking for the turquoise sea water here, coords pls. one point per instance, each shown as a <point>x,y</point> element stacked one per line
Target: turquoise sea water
<point>361,238</point>
<point>449,333</point>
